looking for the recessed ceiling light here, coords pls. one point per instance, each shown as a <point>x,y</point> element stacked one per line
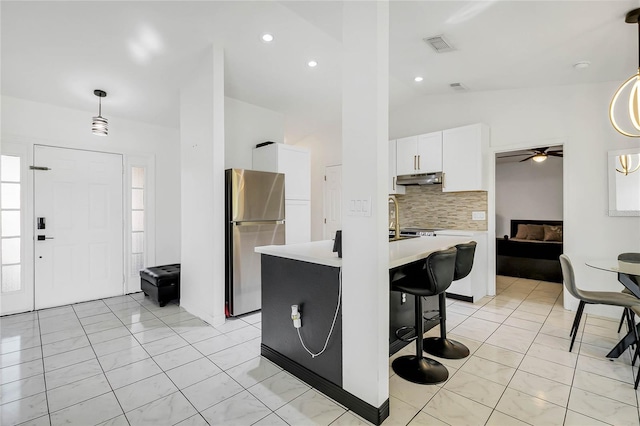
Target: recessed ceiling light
<point>418,79</point>
<point>312,64</point>
<point>582,65</point>
<point>267,37</point>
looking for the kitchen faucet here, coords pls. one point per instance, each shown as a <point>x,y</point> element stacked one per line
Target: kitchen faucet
<point>396,220</point>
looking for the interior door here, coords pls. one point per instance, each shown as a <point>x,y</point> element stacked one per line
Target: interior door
<point>332,201</point>
<point>78,227</point>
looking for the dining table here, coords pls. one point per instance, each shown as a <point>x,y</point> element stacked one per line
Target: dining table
<point>629,276</point>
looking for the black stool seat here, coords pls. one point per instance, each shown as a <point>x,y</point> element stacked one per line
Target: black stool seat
<point>435,273</point>
<point>441,346</point>
<point>161,283</point>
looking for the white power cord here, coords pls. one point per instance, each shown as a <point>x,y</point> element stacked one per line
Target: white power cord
<point>297,321</point>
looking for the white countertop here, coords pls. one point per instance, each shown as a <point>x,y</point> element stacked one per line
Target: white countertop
<point>400,252</point>
<point>459,232</point>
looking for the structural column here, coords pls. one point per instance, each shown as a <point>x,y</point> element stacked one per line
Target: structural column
<point>365,116</point>
<point>202,189</point>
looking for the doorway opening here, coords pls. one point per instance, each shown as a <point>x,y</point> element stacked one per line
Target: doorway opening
<point>529,214</point>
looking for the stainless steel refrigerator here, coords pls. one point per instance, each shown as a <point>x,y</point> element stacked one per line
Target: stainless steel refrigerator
<point>254,217</point>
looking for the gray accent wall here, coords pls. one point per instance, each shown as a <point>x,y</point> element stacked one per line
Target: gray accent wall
<point>528,190</point>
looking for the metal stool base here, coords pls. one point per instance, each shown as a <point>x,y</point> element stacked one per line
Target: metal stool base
<point>445,348</point>
<point>424,371</point>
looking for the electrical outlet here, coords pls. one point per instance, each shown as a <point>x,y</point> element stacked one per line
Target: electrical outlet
<point>478,216</point>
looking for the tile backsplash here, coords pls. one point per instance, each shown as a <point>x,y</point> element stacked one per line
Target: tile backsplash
<point>426,206</point>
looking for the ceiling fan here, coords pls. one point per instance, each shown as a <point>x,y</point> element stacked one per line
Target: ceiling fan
<point>538,154</point>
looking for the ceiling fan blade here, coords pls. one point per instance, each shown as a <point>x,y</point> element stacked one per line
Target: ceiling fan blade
<point>514,155</point>
<point>555,154</point>
<point>528,158</point>
<point>541,150</point>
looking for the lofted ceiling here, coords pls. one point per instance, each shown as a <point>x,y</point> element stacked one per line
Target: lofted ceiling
<point>141,52</point>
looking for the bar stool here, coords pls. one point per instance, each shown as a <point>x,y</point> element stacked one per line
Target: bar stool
<point>433,277</point>
<point>441,346</point>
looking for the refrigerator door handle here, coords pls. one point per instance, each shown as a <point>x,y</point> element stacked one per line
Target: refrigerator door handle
<point>261,222</point>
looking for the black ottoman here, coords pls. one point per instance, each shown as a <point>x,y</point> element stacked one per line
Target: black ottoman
<point>161,283</point>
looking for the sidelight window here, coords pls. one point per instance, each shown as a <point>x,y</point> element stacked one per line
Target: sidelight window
<point>11,233</point>
<point>137,219</point>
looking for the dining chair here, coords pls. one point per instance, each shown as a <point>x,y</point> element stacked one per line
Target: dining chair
<point>611,298</point>
<point>628,314</point>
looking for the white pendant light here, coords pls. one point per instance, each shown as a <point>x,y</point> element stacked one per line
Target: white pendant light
<point>99,124</point>
<point>632,86</point>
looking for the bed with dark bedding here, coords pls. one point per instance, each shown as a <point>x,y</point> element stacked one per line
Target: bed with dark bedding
<point>531,251</point>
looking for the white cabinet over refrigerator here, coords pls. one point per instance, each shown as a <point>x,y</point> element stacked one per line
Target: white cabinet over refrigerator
<point>295,163</point>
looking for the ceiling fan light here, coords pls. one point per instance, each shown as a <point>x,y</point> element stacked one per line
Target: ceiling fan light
<point>539,158</point>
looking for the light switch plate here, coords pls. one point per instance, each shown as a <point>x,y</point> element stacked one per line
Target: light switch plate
<point>478,216</point>
<point>359,207</point>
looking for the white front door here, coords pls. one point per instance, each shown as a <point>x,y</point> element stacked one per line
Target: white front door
<point>79,252</point>
<point>332,201</point>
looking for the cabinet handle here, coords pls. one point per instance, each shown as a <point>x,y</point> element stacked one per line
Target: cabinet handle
<point>394,183</point>
<point>443,185</point>
<point>418,162</point>
<point>414,162</point>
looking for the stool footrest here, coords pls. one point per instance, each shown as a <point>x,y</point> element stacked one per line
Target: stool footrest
<point>403,335</point>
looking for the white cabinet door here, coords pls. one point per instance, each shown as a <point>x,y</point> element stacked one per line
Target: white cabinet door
<point>407,156</point>
<point>463,151</point>
<point>430,152</point>
<point>295,165</point>
<point>293,161</point>
<point>297,221</point>
<point>393,187</point>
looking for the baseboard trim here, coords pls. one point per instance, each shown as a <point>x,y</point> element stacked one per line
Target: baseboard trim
<point>375,415</point>
<point>460,297</point>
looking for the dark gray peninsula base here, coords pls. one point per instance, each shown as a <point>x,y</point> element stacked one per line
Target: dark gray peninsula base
<point>308,275</point>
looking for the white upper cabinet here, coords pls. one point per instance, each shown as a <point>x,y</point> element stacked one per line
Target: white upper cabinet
<point>293,161</point>
<point>463,164</point>
<point>430,152</point>
<point>393,187</point>
<point>407,156</point>
<point>419,154</point>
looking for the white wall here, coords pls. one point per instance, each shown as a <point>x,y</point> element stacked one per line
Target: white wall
<point>578,116</point>
<point>202,272</point>
<point>325,148</point>
<point>30,123</point>
<point>528,190</point>
<point>245,126</point>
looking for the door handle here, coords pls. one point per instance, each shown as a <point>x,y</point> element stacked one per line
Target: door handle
<point>43,237</point>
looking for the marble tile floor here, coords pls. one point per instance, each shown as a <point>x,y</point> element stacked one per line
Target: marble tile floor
<point>124,360</point>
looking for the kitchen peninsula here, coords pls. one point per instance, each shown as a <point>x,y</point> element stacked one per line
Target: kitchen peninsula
<point>308,275</point>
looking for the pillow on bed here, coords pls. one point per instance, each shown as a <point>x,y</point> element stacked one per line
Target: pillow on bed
<point>523,230</point>
<point>552,233</point>
<point>535,232</point>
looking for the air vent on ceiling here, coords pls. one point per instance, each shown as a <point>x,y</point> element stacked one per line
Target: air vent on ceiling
<point>439,44</point>
<point>459,87</point>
